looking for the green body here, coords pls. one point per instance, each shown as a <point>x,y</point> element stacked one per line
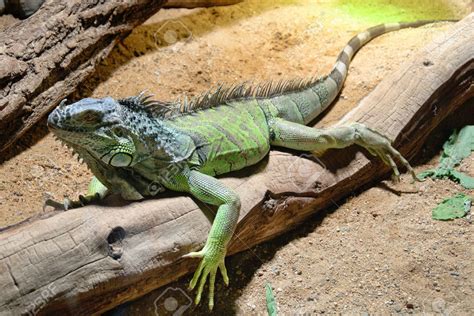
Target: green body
<point>137,148</point>
<point>226,138</point>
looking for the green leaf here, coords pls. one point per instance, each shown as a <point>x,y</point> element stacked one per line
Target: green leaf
<point>451,208</point>
<point>464,180</point>
<point>455,149</point>
<point>271,303</point>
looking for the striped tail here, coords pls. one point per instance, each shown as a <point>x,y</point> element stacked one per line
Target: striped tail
<point>328,89</point>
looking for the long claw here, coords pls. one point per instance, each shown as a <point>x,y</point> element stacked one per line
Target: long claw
<point>195,254</point>
<point>382,156</point>
<point>67,204</point>
<point>212,281</point>
<point>223,270</point>
<point>396,173</point>
<point>407,165</point>
<point>202,282</point>
<point>198,297</point>
<point>193,282</point>
<point>64,206</point>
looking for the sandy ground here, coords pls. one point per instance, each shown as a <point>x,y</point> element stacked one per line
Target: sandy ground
<point>376,252</point>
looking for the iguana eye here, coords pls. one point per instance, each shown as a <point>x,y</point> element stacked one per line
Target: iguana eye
<point>90,117</point>
<point>121,160</point>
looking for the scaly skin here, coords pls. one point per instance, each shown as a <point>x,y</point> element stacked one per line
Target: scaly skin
<point>136,150</point>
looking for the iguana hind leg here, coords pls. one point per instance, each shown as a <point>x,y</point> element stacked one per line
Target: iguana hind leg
<point>211,191</point>
<point>300,137</point>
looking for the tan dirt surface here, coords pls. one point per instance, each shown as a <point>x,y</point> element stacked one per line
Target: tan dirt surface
<point>378,252</point>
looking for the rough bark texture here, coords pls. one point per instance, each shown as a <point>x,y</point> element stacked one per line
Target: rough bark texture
<point>90,259</point>
<point>44,58</point>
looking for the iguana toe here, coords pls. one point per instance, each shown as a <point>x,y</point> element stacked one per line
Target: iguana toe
<point>211,261</point>
<point>379,145</point>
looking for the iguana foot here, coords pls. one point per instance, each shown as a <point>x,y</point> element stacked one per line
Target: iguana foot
<point>296,136</point>
<point>379,145</point>
<point>70,204</point>
<point>95,192</point>
<point>213,257</point>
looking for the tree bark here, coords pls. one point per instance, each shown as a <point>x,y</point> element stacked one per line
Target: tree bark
<point>90,259</point>
<point>44,58</point>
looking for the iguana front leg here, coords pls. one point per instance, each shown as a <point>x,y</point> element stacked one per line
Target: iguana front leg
<point>296,136</point>
<point>211,191</point>
<point>95,192</point>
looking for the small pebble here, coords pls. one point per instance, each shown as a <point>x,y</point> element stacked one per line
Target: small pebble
<point>252,306</point>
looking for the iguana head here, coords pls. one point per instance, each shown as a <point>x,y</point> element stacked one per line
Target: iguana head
<point>100,128</point>
<point>120,133</point>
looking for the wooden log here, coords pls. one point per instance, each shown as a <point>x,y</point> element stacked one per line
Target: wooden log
<point>24,9</point>
<point>90,259</point>
<point>44,58</point>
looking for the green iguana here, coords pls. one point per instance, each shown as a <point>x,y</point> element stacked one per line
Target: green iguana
<point>137,147</point>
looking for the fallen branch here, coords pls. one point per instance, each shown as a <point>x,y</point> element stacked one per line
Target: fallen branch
<point>44,58</point>
<point>90,259</point>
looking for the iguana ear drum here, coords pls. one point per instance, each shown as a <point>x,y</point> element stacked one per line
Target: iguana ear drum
<point>117,159</point>
<point>121,160</point>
